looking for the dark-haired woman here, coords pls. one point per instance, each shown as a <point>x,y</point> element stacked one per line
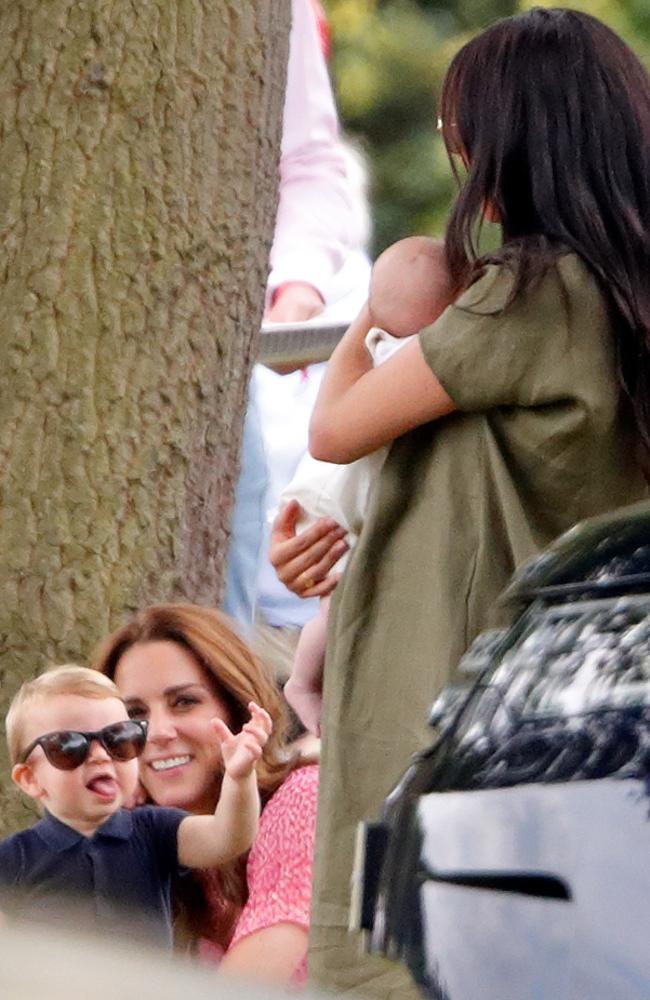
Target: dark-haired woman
<point>523,409</point>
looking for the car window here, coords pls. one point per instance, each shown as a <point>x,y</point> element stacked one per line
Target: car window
<point>567,698</point>
<point>579,658</point>
<point>631,561</point>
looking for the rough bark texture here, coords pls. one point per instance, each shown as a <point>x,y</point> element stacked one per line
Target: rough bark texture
<point>138,182</point>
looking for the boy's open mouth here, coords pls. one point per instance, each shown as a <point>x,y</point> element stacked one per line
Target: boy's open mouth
<point>103,785</point>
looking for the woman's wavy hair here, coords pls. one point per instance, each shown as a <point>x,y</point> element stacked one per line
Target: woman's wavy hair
<point>550,112</point>
<point>237,677</point>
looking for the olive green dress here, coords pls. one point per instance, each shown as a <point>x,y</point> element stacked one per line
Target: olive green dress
<point>538,442</point>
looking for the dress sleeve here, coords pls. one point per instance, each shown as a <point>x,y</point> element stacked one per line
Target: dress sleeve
<point>315,227</point>
<point>487,352</point>
<point>279,870</point>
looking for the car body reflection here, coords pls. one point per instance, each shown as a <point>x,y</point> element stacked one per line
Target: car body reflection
<point>514,853</point>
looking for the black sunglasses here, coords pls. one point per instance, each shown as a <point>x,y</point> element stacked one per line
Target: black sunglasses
<point>67,748</point>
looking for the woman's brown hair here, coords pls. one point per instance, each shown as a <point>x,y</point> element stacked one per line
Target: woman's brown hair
<point>238,677</point>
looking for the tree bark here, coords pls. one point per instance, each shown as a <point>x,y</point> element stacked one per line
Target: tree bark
<point>139,144</point>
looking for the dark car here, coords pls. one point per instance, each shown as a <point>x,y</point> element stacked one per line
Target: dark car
<point>514,857</point>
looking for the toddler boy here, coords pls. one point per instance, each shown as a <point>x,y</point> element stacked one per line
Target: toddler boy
<point>89,859</point>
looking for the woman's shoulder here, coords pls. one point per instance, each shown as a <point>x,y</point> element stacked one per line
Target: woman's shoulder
<point>576,277</point>
<point>291,810</point>
<point>300,786</point>
<point>547,342</point>
<point>564,277</point>
<point>288,821</point>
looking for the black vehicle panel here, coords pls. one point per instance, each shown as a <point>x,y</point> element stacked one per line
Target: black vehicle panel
<point>517,852</point>
<point>492,944</point>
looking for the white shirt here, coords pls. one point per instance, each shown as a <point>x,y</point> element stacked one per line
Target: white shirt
<point>322,488</point>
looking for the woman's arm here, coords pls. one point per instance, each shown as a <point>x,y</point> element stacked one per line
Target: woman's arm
<point>360,408</point>
<point>316,224</point>
<point>271,955</point>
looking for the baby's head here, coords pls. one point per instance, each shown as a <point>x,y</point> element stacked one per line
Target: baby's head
<point>410,285</point>
<point>73,747</point>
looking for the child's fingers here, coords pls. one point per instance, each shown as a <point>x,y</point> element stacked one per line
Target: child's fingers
<point>257,710</point>
<point>252,745</point>
<point>260,717</point>
<point>246,748</point>
<point>258,726</point>
<point>254,749</point>
<point>221,730</point>
<point>261,735</point>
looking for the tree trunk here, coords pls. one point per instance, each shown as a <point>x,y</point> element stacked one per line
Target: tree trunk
<point>139,143</point>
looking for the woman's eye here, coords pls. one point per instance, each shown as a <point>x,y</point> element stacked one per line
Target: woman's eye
<point>136,712</point>
<point>185,701</point>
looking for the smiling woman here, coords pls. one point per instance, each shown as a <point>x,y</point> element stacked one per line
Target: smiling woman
<point>178,667</point>
<point>162,682</point>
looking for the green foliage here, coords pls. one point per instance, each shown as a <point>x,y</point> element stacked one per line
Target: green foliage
<point>390,57</point>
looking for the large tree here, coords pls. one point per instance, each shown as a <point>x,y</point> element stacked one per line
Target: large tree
<point>138,181</point>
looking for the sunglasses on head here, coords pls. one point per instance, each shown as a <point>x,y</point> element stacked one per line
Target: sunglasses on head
<point>67,748</point>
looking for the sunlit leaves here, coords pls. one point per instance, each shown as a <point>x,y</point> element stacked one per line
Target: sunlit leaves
<point>389,61</point>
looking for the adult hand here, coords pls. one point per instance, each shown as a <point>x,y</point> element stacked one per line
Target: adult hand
<point>303,562</point>
<point>294,302</point>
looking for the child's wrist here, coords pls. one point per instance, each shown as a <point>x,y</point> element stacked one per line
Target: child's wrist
<point>241,777</point>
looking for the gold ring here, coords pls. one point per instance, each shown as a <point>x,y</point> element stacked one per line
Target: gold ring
<point>309,583</point>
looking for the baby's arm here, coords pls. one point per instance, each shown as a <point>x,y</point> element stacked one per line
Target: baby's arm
<point>204,841</point>
<point>304,688</point>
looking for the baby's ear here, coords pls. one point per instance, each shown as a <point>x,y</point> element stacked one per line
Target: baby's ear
<point>23,776</point>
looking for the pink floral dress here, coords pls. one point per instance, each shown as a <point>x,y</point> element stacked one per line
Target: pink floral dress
<point>279,867</point>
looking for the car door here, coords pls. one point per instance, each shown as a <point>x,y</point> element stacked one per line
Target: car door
<point>533,878</point>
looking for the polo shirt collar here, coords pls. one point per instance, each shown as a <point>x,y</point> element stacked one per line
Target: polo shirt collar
<point>59,836</point>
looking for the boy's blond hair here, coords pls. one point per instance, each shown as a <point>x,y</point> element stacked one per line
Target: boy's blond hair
<point>66,679</point>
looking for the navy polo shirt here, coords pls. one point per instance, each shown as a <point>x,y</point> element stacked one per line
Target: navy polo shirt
<point>118,881</point>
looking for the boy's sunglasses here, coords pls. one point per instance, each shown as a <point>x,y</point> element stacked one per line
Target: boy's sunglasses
<point>67,748</point>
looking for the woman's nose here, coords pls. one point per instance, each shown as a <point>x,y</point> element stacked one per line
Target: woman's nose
<point>161,726</point>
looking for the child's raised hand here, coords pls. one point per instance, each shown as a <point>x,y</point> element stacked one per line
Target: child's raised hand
<point>241,750</point>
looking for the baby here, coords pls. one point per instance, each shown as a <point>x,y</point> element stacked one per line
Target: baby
<point>409,288</point>
<point>74,751</point>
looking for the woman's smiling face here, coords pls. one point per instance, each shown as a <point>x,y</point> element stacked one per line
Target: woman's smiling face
<point>162,682</point>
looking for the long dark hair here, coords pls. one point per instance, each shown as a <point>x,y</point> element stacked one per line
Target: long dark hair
<point>550,111</point>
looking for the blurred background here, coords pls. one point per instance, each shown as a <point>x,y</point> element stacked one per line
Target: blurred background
<point>388,60</point>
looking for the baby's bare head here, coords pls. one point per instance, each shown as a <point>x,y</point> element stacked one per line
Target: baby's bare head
<point>410,285</point>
